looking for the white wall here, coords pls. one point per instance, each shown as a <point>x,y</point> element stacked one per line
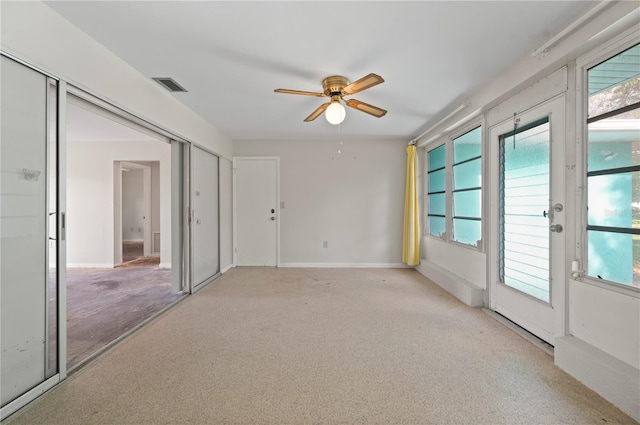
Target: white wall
<point>90,198</point>
<point>36,34</point>
<point>354,200</point>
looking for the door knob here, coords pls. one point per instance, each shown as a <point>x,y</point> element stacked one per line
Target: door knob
<point>273,218</point>
<point>556,228</point>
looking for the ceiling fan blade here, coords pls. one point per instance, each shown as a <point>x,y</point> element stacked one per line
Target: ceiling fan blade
<point>304,93</point>
<point>365,107</point>
<point>363,84</point>
<point>315,114</point>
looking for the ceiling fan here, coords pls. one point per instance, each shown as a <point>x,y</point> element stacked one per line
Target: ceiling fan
<point>335,87</point>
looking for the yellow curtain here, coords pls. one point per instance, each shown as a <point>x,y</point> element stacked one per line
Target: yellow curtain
<point>411,236</point>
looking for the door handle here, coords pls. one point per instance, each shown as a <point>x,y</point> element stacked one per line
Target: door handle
<point>273,218</point>
<point>272,210</point>
<point>556,228</point>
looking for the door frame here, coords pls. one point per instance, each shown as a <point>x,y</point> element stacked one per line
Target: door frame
<point>276,160</point>
<point>555,109</point>
<point>118,202</point>
<point>193,285</point>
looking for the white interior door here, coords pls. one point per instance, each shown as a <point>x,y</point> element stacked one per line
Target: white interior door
<point>205,230</point>
<point>256,211</point>
<point>24,262</point>
<point>527,206</point>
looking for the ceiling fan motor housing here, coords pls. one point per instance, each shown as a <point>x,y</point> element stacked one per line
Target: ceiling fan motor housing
<point>333,85</point>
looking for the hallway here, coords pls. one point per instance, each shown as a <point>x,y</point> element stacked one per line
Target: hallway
<point>285,346</point>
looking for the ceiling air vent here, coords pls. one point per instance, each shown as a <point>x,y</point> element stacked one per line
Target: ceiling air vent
<point>169,84</point>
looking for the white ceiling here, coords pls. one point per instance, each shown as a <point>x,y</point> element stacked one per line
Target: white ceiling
<point>231,55</point>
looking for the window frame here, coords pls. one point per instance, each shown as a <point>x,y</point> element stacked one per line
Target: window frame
<point>448,141</point>
<point>616,46</point>
<point>454,191</point>
<point>427,232</point>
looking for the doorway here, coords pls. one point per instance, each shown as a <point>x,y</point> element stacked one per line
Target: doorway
<point>108,298</point>
<point>256,206</point>
<point>138,224</point>
<point>527,206</point>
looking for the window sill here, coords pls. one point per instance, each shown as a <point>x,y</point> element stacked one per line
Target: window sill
<point>631,291</point>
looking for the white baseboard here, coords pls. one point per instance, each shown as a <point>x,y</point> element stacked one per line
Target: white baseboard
<point>346,265</point>
<point>133,240</point>
<point>91,265</point>
<point>613,379</point>
<point>226,268</point>
<point>165,265</point>
<point>465,291</point>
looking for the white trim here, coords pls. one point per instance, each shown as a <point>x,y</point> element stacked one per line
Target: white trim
<point>61,219</point>
<point>609,49</point>
<point>544,49</point>
<point>18,403</point>
<point>615,380</point>
<point>629,291</point>
<point>543,90</point>
<point>164,265</point>
<point>226,268</point>
<point>459,287</point>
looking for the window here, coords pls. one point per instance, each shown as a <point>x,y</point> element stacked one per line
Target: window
<point>467,187</point>
<point>456,209</point>
<point>436,192</point>
<point>613,169</point>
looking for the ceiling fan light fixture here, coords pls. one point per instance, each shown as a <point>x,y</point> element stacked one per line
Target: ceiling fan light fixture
<point>335,113</point>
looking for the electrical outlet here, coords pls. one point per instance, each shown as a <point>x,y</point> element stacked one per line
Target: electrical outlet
<point>325,244</point>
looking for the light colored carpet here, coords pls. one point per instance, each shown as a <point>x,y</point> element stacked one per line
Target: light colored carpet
<point>323,346</point>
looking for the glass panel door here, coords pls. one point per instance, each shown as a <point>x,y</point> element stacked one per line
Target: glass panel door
<point>26,329</point>
<point>524,201</point>
<point>527,243</point>
<point>205,216</point>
